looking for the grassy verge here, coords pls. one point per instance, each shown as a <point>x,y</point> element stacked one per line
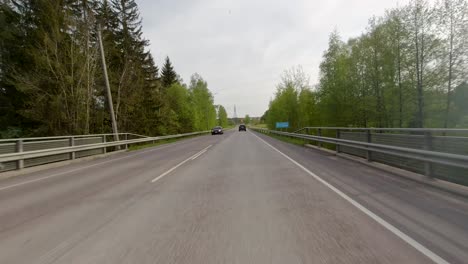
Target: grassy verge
<point>159,142</point>
<point>261,125</point>
<point>300,142</point>
<point>295,141</point>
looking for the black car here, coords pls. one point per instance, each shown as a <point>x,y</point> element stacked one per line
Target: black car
<point>217,130</point>
<point>242,128</point>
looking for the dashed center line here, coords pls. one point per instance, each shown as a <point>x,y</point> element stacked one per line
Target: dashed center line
<point>199,154</point>
<point>196,155</point>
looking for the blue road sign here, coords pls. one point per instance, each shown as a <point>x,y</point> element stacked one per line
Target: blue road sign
<point>282,124</point>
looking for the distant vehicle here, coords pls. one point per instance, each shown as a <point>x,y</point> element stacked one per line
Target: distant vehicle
<point>242,128</point>
<point>217,130</point>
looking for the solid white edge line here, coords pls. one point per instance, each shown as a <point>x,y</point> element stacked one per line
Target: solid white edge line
<point>425,251</point>
<point>90,166</point>
<point>180,164</point>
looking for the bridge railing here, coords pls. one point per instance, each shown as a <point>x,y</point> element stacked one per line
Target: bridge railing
<point>435,152</point>
<point>19,153</point>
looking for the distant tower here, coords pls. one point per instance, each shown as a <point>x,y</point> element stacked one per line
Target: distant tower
<point>235,115</point>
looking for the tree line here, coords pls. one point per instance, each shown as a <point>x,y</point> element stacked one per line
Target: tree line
<point>408,69</point>
<point>52,83</point>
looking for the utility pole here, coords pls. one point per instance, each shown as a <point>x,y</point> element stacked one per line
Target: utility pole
<point>109,94</point>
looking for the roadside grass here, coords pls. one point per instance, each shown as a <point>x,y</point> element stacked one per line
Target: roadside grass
<point>159,142</point>
<point>300,142</point>
<point>261,125</point>
<point>295,141</point>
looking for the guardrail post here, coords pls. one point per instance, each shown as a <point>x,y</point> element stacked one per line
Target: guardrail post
<point>126,138</point>
<point>337,143</point>
<point>369,140</point>
<point>319,133</point>
<point>104,149</point>
<point>72,143</point>
<point>428,146</point>
<point>19,148</point>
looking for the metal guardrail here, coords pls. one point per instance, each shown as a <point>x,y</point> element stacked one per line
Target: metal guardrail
<point>66,137</point>
<point>421,151</point>
<point>27,152</point>
<point>445,130</point>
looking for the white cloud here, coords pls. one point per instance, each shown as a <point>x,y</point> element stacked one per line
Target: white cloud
<point>241,47</point>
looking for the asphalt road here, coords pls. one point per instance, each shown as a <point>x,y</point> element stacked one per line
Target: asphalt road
<point>233,198</point>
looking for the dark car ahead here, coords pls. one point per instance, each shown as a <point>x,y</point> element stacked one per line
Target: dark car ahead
<point>242,128</point>
<point>217,130</point>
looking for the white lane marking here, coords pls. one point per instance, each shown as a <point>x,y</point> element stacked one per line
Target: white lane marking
<point>180,164</point>
<point>90,166</point>
<point>199,154</point>
<point>428,253</point>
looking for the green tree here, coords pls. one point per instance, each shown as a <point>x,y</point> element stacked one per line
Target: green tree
<point>283,108</point>
<point>336,96</point>
<point>51,81</point>
<point>307,109</point>
<point>222,116</point>
<point>128,63</point>
<point>247,119</point>
<point>202,100</point>
<point>460,107</point>
<point>12,40</point>
<point>400,72</point>
<point>453,17</point>
<point>60,79</point>
<point>397,39</point>
<point>168,75</point>
<point>178,110</point>
<point>423,46</point>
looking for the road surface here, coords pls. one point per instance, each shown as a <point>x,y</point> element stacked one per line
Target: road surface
<point>240,197</point>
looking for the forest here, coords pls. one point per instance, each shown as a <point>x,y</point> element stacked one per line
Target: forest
<point>52,82</point>
<point>409,68</point>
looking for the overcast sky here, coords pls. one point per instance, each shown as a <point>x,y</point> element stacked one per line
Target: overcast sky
<point>241,47</point>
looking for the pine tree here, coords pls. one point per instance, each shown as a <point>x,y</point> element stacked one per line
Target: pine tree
<point>127,64</point>
<point>129,32</point>
<point>150,110</point>
<point>56,49</point>
<point>168,75</point>
<point>11,56</point>
<point>52,84</point>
